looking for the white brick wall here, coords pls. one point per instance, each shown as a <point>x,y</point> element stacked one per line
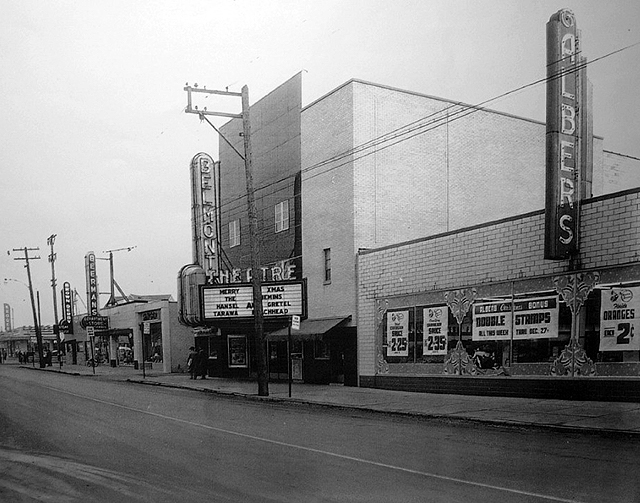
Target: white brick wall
<point>506,250</point>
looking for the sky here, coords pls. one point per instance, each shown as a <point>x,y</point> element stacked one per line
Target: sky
<point>95,145</point>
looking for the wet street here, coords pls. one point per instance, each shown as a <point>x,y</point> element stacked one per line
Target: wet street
<point>79,438</point>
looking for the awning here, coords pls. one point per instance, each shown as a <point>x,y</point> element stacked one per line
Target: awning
<point>309,329</point>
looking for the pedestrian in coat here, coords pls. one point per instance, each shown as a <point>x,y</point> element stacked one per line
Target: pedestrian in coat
<point>192,360</point>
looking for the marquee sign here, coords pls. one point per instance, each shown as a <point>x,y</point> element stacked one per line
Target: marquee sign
<point>563,126</point>
<point>235,300</point>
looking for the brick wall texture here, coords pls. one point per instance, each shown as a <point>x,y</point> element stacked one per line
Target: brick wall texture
<point>382,166</point>
<point>508,249</point>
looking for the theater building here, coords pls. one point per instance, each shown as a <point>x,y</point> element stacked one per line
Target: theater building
<point>368,170</point>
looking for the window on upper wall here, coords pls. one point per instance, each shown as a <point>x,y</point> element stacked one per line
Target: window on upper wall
<point>282,216</point>
<point>327,265</point>
<point>234,233</point>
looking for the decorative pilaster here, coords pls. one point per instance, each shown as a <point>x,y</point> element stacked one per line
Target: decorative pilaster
<point>382,367</point>
<point>574,290</point>
<point>458,361</point>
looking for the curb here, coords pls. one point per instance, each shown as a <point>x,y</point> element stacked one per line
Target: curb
<point>519,425</point>
<point>605,432</point>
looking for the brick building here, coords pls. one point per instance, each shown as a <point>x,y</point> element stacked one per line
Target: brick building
<point>367,167</point>
<point>503,260</point>
<point>381,166</point>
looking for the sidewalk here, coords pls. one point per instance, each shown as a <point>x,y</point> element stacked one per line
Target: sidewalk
<point>562,415</point>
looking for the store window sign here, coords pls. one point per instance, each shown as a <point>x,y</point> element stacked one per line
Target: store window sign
<point>619,319</point>
<point>434,331</point>
<point>535,318</point>
<point>398,333</point>
<point>237,351</point>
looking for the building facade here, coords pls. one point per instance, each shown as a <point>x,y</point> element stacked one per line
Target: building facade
<point>145,330</point>
<point>276,144</point>
<point>382,166</point>
<point>501,264</point>
<point>365,167</point>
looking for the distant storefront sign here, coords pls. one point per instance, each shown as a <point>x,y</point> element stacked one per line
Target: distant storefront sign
<point>97,322</point>
<point>620,319</point>
<point>398,333</point>
<point>235,301</point>
<point>535,318</point>
<point>92,283</point>
<point>7,318</point>
<point>67,308</point>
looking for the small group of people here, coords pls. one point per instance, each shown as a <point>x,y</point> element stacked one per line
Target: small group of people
<point>197,363</point>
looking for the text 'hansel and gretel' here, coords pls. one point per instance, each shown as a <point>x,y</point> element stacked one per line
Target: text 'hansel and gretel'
<point>237,302</point>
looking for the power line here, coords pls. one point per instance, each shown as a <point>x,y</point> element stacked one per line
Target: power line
<point>425,124</point>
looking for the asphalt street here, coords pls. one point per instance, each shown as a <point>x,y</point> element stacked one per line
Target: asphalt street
<point>85,438</point>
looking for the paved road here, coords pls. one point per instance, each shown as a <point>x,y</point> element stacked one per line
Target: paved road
<point>84,439</point>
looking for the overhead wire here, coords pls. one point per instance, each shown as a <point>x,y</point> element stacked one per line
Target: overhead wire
<point>420,126</point>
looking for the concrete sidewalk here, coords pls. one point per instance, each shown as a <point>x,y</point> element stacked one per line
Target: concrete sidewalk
<point>563,415</point>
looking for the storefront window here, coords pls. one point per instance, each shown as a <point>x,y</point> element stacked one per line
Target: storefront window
<point>153,343</point>
<point>529,331</point>
<point>321,349</point>
<point>237,351</point>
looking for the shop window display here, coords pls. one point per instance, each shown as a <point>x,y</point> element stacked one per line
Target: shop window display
<point>529,332</point>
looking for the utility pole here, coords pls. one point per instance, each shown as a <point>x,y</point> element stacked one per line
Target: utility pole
<point>33,302</point>
<point>56,328</point>
<point>256,271</point>
<point>112,298</point>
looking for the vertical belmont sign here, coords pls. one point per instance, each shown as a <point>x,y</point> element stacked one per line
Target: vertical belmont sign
<point>562,137</point>
<point>204,218</point>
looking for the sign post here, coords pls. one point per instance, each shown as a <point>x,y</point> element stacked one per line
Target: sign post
<point>295,325</point>
<point>91,332</point>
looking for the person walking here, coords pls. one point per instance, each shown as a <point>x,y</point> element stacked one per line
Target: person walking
<point>191,363</point>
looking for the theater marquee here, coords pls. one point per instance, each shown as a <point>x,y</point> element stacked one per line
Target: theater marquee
<point>235,300</point>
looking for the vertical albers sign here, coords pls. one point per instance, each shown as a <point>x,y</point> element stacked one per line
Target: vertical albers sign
<point>566,147</point>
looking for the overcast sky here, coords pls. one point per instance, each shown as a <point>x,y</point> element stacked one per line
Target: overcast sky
<point>96,145</point>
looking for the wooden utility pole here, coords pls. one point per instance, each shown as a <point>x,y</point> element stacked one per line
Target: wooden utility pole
<point>256,278</point>
<point>36,322</point>
<point>56,328</point>
<point>256,271</point>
